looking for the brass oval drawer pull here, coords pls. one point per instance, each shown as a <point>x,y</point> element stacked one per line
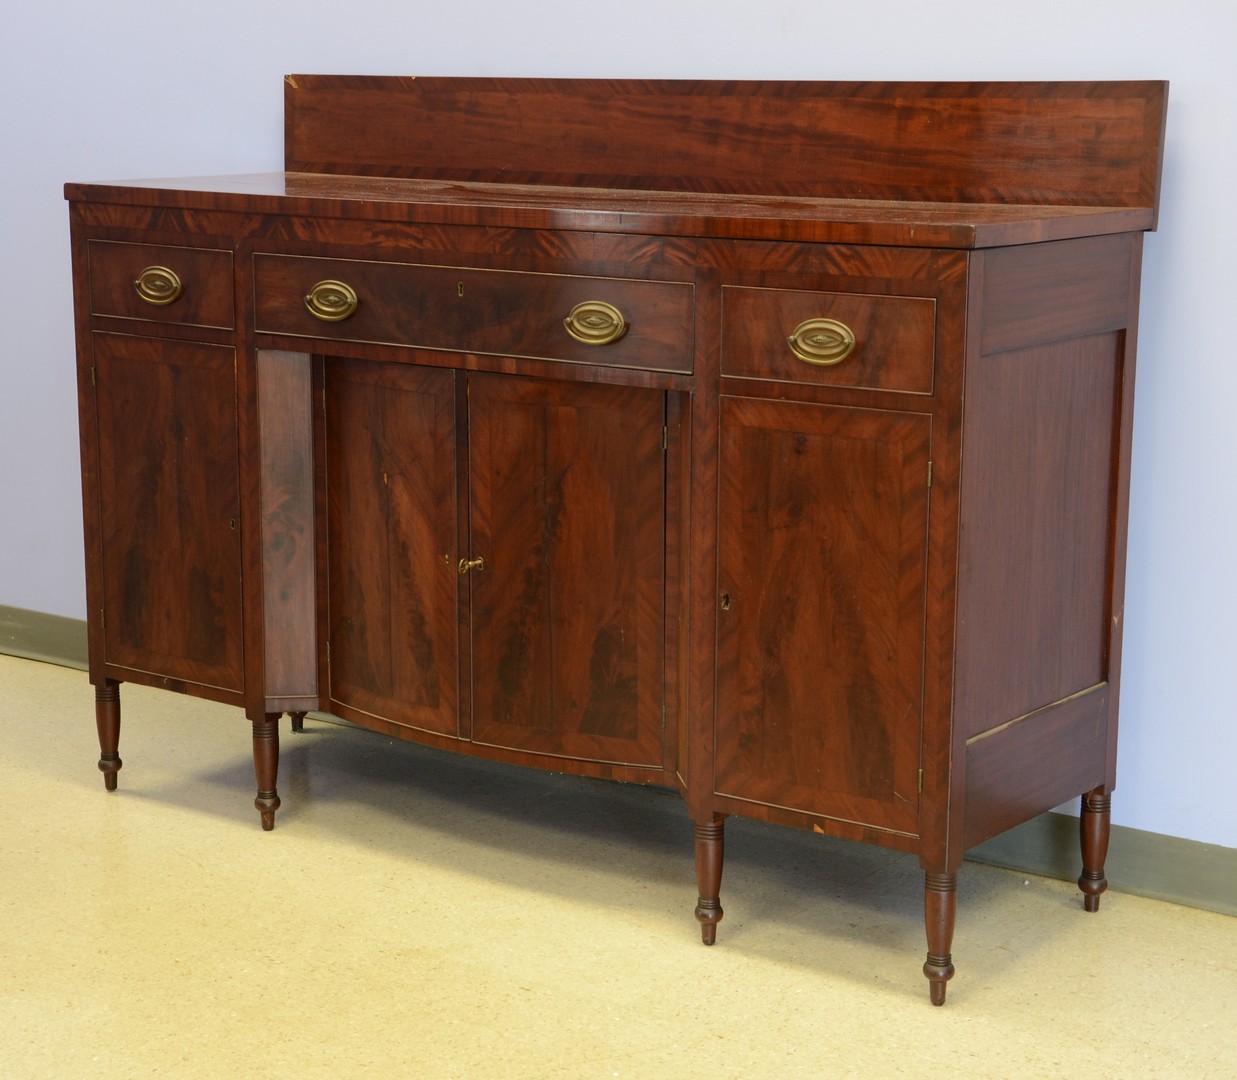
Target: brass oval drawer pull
<point>822,342</point>
<point>594,322</point>
<point>158,285</point>
<point>331,301</point>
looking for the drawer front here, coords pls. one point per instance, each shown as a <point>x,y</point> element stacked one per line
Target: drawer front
<point>496,312</point>
<point>887,340</point>
<point>186,285</point>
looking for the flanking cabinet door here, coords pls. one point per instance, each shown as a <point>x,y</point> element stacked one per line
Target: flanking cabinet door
<point>496,558</point>
<point>169,507</point>
<point>823,559</point>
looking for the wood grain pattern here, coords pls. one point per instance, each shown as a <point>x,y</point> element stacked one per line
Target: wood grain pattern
<point>1038,761</point>
<point>1053,292</point>
<point>568,512</point>
<point>205,274</point>
<point>1085,143</point>
<point>1035,555</point>
<point>823,529</point>
<point>894,337</point>
<point>391,521</point>
<point>167,429</point>
<point>290,654</point>
<point>247,199</point>
<point>462,309</point>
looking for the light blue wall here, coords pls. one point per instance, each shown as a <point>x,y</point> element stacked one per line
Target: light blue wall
<point>105,91</point>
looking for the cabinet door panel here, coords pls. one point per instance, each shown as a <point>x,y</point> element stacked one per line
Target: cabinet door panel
<point>391,527</point>
<point>823,560</point>
<point>169,503</point>
<point>568,486</point>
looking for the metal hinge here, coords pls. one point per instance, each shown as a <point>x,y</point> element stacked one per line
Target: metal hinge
<point>921,781</point>
<point>102,619</point>
<point>665,438</point>
<point>92,377</point>
<point>663,717</point>
<point>929,474</point>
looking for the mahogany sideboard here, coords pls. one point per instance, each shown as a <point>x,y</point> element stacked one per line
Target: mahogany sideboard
<point>764,440</point>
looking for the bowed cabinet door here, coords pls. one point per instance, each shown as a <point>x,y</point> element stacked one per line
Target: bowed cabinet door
<point>391,461</point>
<point>823,552</point>
<point>567,595</point>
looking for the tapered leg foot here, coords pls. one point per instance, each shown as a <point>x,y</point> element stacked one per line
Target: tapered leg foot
<point>298,722</point>
<point>710,843</point>
<point>1094,826</point>
<point>107,720</point>
<point>940,909</point>
<point>266,767</point>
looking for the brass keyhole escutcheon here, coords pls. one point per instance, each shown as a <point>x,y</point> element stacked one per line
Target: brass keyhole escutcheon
<point>158,285</point>
<point>331,301</point>
<point>822,342</point>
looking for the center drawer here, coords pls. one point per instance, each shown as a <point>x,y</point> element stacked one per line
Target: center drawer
<point>619,322</point>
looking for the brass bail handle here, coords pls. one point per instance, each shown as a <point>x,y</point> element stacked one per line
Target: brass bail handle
<point>822,342</point>
<point>158,285</point>
<point>331,301</point>
<point>594,322</point>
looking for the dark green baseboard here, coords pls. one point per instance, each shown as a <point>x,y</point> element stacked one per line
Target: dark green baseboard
<point>1144,863</point>
<point>37,636</point>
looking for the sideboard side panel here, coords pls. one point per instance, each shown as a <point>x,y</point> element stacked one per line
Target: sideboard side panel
<point>1046,405</point>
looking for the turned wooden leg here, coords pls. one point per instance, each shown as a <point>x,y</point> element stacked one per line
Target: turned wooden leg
<point>266,766</point>
<point>298,722</point>
<point>940,909</point>
<point>107,720</point>
<point>710,842</point>
<point>1094,825</point>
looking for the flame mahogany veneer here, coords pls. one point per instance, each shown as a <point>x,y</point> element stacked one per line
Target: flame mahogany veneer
<point>767,441</point>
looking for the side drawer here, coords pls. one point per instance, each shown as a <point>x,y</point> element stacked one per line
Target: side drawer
<point>893,338</point>
<point>186,285</point>
<point>460,309</point>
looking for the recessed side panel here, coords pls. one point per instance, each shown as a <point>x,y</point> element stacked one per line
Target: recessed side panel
<point>1035,563</point>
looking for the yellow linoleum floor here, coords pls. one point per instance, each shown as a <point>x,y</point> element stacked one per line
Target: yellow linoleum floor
<point>416,914</point>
